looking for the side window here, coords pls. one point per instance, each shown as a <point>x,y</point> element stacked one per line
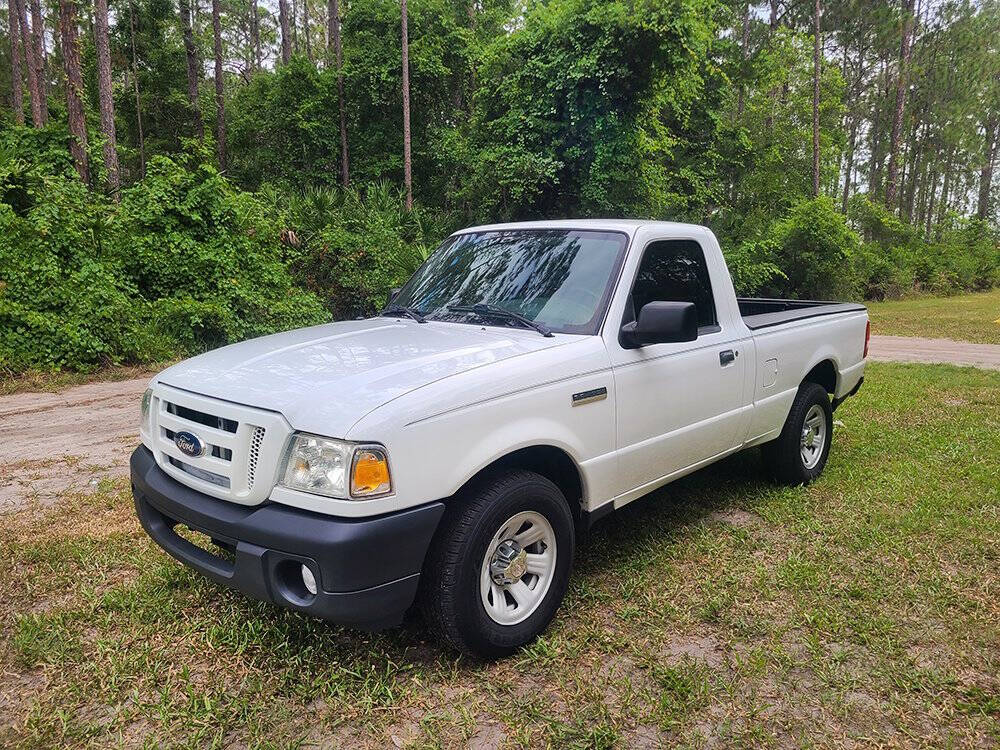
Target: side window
<point>674,271</point>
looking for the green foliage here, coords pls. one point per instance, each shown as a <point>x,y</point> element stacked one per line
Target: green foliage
<point>350,249</point>
<point>814,248</point>
<point>896,257</point>
<point>185,262</point>
<point>565,117</point>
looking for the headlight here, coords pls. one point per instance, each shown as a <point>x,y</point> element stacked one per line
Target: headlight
<point>336,468</point>
<point>147,398</point>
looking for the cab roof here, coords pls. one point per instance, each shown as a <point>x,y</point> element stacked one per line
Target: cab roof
<point>628,226</point>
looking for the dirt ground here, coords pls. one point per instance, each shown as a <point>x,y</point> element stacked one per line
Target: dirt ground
<point>57,443</point>
<point>934,351</point>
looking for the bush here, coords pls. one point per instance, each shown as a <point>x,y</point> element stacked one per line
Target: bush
<point>897,259</point>
<point>816,252</point>
<point>184,263</point>
<point>351,248</point>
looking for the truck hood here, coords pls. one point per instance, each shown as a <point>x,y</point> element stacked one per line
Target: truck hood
<point>325,378</point>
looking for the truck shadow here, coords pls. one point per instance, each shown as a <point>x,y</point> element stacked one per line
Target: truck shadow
<point>727,490</point>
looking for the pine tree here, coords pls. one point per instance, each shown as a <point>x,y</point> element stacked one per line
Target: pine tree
<point>74,87</point>
<point>407,163</point>
<point>815,108</point>
<point>104,93</point>
<point>333,35</point>
<point>16,53</point>
<point>897,118</point>
<point>33,65</point>
<point>286,38</point>
<point>38,42</point>
<point>220,100</point>
<point>193,75</point>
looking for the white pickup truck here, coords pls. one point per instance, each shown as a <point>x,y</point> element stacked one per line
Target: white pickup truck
<point>527,380</point>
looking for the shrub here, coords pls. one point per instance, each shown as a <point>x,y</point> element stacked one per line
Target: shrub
<point>351,248</point>
<point>185,262</point>
<point>815,250</point>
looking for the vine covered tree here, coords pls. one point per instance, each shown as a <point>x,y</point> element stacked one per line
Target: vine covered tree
<point>107,105</point>
<point>16,54</point>
<point>74,87</point>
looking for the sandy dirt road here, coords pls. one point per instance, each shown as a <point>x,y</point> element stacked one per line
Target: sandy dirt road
<point>934,351</point>
<point>57,443</point>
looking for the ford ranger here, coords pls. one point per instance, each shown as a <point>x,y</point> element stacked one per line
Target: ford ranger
<point>527,380</point>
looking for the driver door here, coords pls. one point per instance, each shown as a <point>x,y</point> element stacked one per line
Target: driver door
<point>678,404</point>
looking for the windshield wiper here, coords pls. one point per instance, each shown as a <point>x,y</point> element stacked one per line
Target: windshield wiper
<point>409,312</point>
<point>494,311</point>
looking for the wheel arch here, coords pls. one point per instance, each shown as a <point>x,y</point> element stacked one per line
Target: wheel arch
<point>552,462</point>
<point>825,374</point>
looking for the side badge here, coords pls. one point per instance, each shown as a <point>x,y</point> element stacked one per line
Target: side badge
<point>587,397</point>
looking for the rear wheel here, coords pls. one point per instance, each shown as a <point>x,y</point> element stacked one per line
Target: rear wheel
<point>799,453</point>
<point>499,565</point>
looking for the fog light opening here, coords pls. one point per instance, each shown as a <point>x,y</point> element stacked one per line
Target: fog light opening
<point>309,580</point>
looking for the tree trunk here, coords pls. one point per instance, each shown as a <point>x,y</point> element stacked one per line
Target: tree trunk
<point>193,75</point>
<point>255,33</point>
<point>930,206</point>
<point>104,94</point>
<point>407,165</point>
<point>773,93</point>
<point>305,27</point>
<point>16,53</point>
<point>286,39</point>
<point>135,86</point>
<point>744,43</point>
<point>816,71</point>
<point>913,170</point>
<point>32,65</point>
<point>333,29</point>
<point>945,191</point>
<point>850,165</point>
<point>38,40</point>
<point>986,173</point>
<point>897,118</point>
<point>294,20</point>
<point>74,87</point>
<point>220,101</point>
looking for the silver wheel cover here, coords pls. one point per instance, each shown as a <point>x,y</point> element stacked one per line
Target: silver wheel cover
<point>518,568</point>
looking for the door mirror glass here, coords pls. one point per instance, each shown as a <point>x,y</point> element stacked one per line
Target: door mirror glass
<point>662,323</point>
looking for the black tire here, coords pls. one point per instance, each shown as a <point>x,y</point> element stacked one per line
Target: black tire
<point>783,457</point>
<point>450,596</point>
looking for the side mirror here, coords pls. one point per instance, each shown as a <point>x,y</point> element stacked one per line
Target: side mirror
<point>661,323</point>
<point>394,292</point>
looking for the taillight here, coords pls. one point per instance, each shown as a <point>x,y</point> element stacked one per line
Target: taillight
<point>868,335</point>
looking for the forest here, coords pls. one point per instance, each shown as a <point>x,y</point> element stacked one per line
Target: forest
<point>174,177</point>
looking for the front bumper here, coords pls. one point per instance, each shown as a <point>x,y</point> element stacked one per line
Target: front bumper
<point>366,569</point>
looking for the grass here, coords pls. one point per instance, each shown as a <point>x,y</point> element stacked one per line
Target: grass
<point>44,380</point>
<point>964,317</point>
<point>722,611</point>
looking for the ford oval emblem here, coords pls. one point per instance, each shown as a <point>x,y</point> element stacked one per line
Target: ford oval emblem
<point>189,444</point>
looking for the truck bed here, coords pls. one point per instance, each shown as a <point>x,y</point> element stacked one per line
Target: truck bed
<point>762,313</point>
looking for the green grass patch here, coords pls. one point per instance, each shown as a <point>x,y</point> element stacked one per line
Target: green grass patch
<point>721,610</point>
<point>964,317</point>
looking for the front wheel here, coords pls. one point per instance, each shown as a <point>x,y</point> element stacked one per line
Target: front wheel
<point>798,455</point>
<point>499,565</point>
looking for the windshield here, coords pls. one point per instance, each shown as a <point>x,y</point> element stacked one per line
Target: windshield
<point>558,277</point>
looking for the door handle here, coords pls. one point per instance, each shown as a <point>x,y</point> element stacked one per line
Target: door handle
<point>727,357</point>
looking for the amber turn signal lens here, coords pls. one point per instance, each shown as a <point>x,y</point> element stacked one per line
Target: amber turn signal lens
<point>371,473</point>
